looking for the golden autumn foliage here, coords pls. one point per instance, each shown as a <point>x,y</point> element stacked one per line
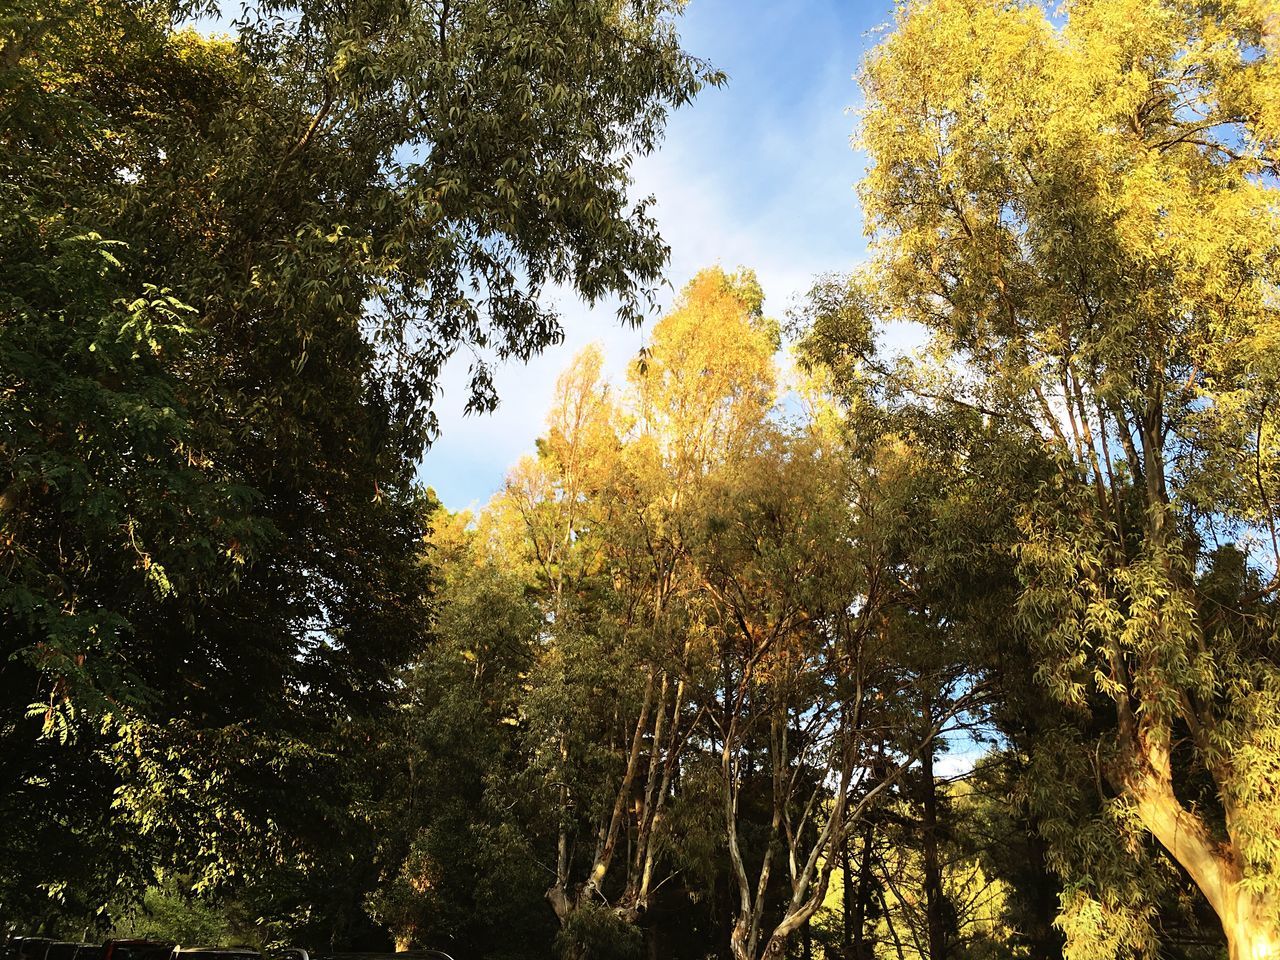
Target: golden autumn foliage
<point>1083,209</point>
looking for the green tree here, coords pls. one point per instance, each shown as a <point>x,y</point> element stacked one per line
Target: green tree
<point>457,831</point>
<point>230,271</point>
<point>1085,213</point>
<point>951,546</point>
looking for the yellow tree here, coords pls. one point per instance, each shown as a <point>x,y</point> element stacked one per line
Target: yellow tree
<point>813,719</point>
<point>707,381</point>
<point>1085,211</point>
<point>599,522</point>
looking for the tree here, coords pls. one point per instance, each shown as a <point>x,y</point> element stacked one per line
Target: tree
<point>949,538</point>
<point>606,528</point>
<point>1085,213</point>
<point>821,623</point>
<point>606,509</point>
<point>230,270</point>
<point>457,833</point>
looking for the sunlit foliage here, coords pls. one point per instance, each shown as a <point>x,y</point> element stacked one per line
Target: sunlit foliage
<point>1084,211</point>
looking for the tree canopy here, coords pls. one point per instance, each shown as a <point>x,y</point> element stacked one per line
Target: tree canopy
<point>1085,215</point>
<point>779,642</point>
<point>231,268</point>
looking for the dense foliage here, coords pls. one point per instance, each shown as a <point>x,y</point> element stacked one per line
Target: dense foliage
<point>780,644</point>
<point>230,272</point>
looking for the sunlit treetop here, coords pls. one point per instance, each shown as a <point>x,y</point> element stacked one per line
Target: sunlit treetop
<point>709,371</point>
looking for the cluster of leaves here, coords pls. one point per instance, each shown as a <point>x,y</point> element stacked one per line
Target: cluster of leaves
<point>694,646</point>
<point>230,271</point>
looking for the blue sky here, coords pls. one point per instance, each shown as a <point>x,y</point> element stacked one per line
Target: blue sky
<point>759,173</point>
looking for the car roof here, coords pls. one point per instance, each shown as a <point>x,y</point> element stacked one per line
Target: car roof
<point>136,946</point>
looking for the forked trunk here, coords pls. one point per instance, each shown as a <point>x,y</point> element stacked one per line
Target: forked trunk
<point>560,902</point>
<point>1251,923</point>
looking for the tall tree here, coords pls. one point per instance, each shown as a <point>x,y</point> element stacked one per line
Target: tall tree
<point>951,547</point>
<point>458,832</point>
<point>230,270</point>
<point>1085,212</point>
<point>816,707</point>
<point>606,510</point>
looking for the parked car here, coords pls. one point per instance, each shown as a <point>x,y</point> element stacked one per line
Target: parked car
<point>136,950</point>
<point>64,950</point>
<point>21,948</point>
<point>33,948</point>
<point>214,953</point>
<point>12,944</point>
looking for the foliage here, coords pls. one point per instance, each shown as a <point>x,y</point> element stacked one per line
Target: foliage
<point>1084,213</point>
<point>230,271</point>
<point>766,604</point>
<point>596,931</point>
<point>167,914</point>
<point>456,833</point>
<point>685,687</point>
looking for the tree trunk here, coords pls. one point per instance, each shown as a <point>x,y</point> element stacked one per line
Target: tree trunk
<point>560,902</point>
<point>1041,897</point>
<point>652,933</point>
<point>848,951</point>
<point>1249,921</point>
<point>1254,933</point>
<point>935,898</point>
<point>861,948</point>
